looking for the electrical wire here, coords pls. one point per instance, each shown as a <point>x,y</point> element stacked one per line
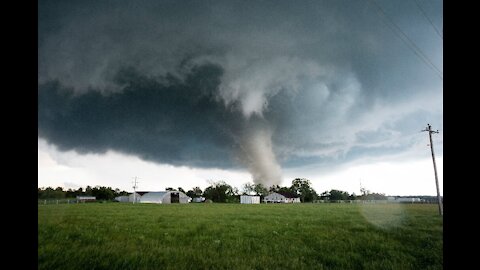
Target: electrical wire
<point>428,18</point>
<point>397,31</point>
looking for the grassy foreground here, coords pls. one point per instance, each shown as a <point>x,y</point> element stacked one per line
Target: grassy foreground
<point>234,236</point>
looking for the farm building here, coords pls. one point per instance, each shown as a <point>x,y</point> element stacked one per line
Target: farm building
<point>156,197</point>
<point>165,197</point>
<point>247,199</point>
<point>198,199</point>
<point>86,198</point>
<point>137,196</point>
<point>122,199</point>
<point>408,200</point>
<point>281,197</point>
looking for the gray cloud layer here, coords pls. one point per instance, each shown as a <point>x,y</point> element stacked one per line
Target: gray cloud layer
<point>235,83</point>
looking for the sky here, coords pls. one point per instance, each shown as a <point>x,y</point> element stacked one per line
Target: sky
<point>184,93</point>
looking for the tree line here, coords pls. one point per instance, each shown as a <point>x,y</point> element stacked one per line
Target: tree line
<point>100,192</point>
<point>222,192</point>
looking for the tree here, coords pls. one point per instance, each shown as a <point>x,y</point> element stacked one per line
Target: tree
<point>302,187</point>
<point>195,192</point>
<point>220,192</point>
<point>88,191</point>
<point>103,193</point>
<point>191,194</point>
<point>274,188</point>
<point>181,190</point>
<point>170,189</point>
<point>260,190</point>
<point>325,195</point>
<point>198,191</point>
<point>70,193</point>
<point>248,188</point>
<point>338,195</point>
<point>78,192</point>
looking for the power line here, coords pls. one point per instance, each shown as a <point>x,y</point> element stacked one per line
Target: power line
<point>396,30</point>
<point>430,131</point>
<point>428,19</point>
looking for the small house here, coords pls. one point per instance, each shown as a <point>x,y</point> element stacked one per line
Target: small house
<point>281,197</point>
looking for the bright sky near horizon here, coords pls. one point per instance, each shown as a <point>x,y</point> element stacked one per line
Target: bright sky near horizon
<point>71,170</point>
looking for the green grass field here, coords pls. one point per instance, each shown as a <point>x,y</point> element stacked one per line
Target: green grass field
<point>234,236</point>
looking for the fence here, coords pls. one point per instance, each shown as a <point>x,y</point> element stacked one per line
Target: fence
<point>372,201</point>
<point>64,201</point>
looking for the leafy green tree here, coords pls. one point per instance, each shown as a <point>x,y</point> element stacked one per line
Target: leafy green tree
<point>220,192</point>
<point>191,194</point>
<point>302,187</point>
<point>195,192</point>
<point>274,188</point>
<point>70,193</point>
<point>88,191</point>
<point>260,190</point>
<point>103,193</point>
<point>198,191</point>
<point>248,189</point>
<point>337,195</point>
<point>325,195</point>
<point>79,192</point>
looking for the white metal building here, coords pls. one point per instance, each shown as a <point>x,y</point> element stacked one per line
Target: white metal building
<point>248,199</point>
<point>165,197</point>
<point>86,198</point>
<point>137,196</point>
<point>198,199</point>
<point>275,197</point>
<point>410,200</point>
<point>122,198</point>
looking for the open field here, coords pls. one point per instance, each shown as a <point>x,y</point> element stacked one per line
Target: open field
<point>234,236</point>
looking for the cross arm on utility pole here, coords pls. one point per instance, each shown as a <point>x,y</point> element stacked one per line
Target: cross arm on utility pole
<point>430,131</point>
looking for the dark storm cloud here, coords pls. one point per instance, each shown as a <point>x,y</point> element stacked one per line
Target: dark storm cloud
<point>229,83</point>
<point>161,119</point>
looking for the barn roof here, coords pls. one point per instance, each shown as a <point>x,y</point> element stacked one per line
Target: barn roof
<point>154,194</point>
<point>288,194</point>
<point>141,192</point>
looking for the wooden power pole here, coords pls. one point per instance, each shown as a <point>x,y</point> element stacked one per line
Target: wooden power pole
<point>430,131</point>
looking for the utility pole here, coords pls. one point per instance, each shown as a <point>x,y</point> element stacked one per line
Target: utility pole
<point>134,188</point>
<point>430,131</point>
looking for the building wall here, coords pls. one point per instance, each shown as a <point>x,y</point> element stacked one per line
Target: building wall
<point>245,199</point>
<point>184,198</point>
<point>292,200</point>
<point>167,198</point>
<point>153,197</point>
<point>164,197</point>
<point>274,197</point>
<point>122,198</point>
<point>137,197</point>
